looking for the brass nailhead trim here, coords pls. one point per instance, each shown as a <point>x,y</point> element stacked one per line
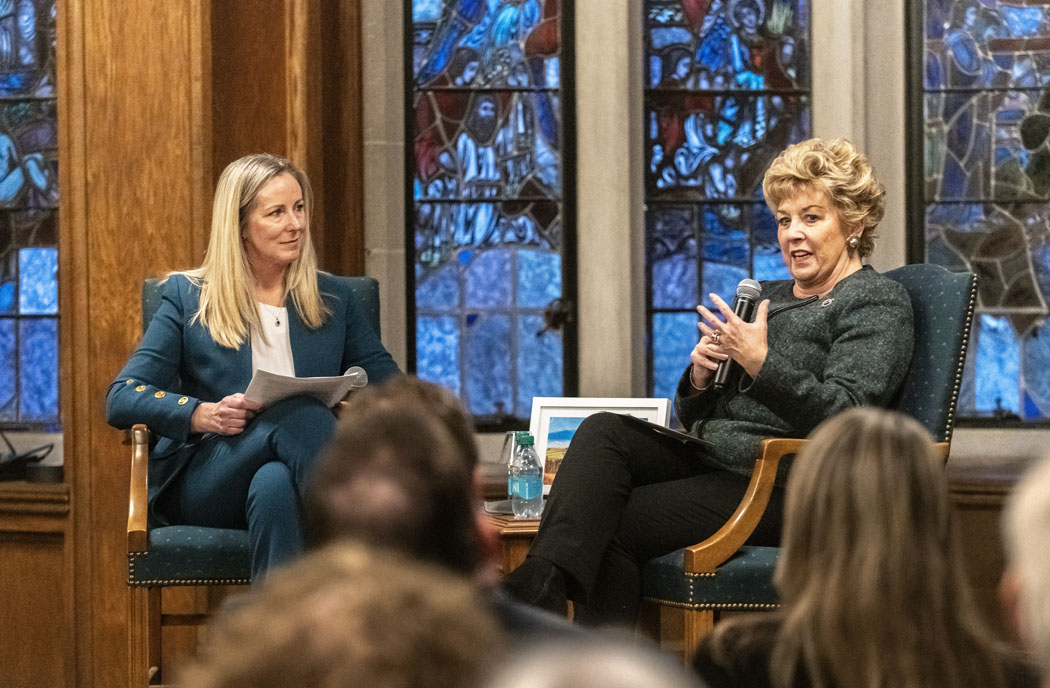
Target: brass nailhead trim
<point>962,358</point>
<point>725,606</point>
<point>164,582</point>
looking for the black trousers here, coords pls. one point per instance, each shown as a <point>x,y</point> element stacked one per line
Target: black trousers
<point>623,495</point>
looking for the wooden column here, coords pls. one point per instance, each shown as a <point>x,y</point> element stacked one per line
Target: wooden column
<point>153,103</point>
<point>133,152</point>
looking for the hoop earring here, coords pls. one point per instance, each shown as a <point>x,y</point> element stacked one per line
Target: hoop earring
<point>853,242</point>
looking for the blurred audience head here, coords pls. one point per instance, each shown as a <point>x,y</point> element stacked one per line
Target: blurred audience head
<point>598,662</point>
<point>348,615</point>
<point>399,473</point>
<point>869,573</point>
<point>1026,585</point>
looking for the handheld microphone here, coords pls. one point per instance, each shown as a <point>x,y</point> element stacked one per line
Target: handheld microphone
<point>747,294</point>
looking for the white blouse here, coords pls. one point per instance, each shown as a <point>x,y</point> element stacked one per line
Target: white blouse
<point>271,347</point>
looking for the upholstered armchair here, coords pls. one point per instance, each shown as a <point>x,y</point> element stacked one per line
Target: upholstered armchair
<point>720,574</point>
<point>183,555</point>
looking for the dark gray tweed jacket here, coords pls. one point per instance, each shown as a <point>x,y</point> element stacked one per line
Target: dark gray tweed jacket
<point>851,348</point>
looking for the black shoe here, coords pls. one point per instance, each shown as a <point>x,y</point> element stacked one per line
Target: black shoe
<point>539,583</point>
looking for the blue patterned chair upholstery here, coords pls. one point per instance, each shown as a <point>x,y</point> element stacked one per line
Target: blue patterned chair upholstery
<point>184,555</point>
<point>719,574</point>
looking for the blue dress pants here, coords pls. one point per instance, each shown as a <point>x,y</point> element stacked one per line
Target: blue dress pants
<point>255,479</point>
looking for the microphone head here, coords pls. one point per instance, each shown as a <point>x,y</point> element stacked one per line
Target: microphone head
<point>749,288</point>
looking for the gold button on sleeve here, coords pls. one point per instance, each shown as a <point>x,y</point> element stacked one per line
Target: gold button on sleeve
<point>129,381</point>
<point>183,400</point>
<point>159,395</point>
<point>140,388</point>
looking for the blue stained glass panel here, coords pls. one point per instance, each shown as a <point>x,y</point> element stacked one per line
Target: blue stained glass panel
<point>38,287</point>
<point>769,263</point>
<point>27,49</point>
<point>748,44</point>
<point>539,278</point>
<point>539,364</point>
<point>29,146</point>
<point>993,44</point>
<point>486,132</point>
<point>488,379</point>
<point>675,282</point>
<point>702,146</point>
<point>998,382</point>
<point>721,279</point>
<point>437,351</point>
<point>486,279</point>
<point>1036,354</point>
<point>7,297</point>
<point>674,336</point>
<point>439,289</point>
<point>426,10</point>
<point>727,89</point>
<point>8,401</point>
<point>987,145</point>
<point>38,374</point>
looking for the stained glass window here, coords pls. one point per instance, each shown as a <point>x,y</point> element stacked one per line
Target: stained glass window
<point>28,216</point>
<point>488,226</point>
<point>727,89</point>
<point>985,203</point>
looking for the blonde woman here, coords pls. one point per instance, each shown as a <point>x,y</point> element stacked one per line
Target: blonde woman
<point>257,302</point>
<point>872,590</point>
<point>835,336</point>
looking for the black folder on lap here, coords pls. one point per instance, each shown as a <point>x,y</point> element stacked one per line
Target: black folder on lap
<point>678,435</point>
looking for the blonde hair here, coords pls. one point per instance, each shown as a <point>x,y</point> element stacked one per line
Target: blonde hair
<point>1028,558</point>
<point>349,615</point>
<point>870,580</point>
<point>227,300</point>
<point>841,172</point>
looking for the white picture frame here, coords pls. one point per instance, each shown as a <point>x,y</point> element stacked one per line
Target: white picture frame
<point>564,415</point>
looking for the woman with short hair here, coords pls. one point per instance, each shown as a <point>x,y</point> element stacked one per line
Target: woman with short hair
<point>835,336</point>
<point>257,302</point>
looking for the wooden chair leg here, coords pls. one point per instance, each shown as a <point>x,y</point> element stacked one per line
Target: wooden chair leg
<point>698,625</point>
<point>144,635</point>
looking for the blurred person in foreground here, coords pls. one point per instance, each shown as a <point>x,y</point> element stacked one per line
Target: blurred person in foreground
<point>1025,586</point>
<point>837,335</point>
<point>602,662</point>
<point>348,615</point>
<point>873,592</point>
<point>258,302</point>
<point>401,473</point>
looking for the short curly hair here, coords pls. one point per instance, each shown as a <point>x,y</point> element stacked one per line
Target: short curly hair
<point>838,169</point>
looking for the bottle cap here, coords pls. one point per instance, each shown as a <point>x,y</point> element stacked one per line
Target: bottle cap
<point>525,439</point>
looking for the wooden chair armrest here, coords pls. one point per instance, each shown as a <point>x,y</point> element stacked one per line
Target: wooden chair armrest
<point>941,448</point>
<point>139,488</point>
<point>705,557</point>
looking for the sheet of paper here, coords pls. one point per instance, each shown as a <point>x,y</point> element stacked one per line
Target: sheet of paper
<point>268,388</point>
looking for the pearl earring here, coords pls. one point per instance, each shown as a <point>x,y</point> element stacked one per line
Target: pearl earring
<point>853,242</point>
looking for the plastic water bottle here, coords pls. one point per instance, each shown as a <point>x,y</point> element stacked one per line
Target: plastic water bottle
<point>527,500</point>
<point>511,445</point>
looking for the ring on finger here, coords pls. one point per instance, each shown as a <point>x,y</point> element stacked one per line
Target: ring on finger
<point>715,337</point>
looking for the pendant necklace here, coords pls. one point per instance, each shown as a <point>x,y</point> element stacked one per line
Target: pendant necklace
<point>276,315</point>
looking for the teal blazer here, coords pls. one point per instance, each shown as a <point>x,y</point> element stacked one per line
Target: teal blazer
<point>178,365</point>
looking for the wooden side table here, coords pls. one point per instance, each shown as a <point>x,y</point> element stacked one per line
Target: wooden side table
<point>515,538</point>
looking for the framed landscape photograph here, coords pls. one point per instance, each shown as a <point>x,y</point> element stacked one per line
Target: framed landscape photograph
<point>555,420</point>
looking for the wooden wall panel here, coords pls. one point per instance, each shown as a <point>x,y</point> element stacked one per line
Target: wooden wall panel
<point>36,558</point>
<point>36,592</point>
<point>131,148</point>
<point>341,244</point>
<point>249,81</point>
<point>152,105</point>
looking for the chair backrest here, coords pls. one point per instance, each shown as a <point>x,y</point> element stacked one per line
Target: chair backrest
<point>942,302</point>
<point>365,291</point>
